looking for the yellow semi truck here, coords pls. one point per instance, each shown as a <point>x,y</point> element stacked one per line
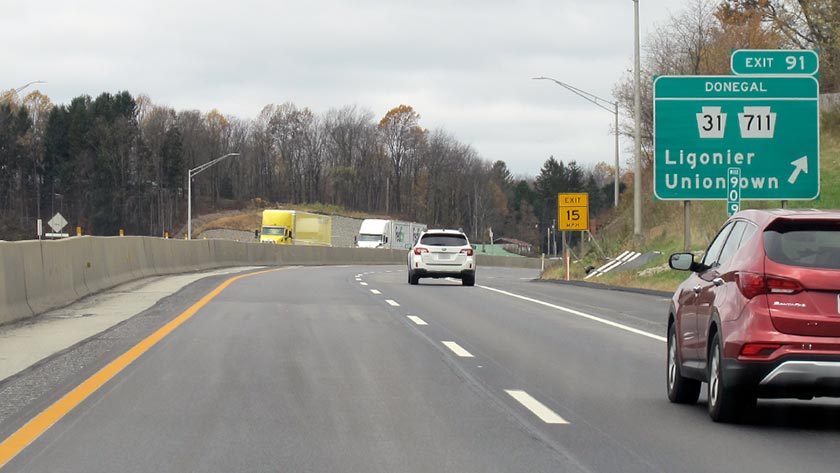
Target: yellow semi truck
<point>292,227</point>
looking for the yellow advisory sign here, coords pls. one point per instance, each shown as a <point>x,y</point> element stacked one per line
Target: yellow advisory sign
<point>573,211</point>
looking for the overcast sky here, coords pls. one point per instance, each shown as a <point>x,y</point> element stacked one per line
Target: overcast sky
<point>464,65</point>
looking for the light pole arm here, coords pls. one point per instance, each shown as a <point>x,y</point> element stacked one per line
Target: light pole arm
<point>598,101</point>
<point>10,93</point>
<point>206,165</point>
<point>27,85</point>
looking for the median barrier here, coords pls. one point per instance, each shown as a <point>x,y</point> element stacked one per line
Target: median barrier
<point>161,253</point>
<point>31,272</point>
<point>228,253</point>
<point>55,277</point>
<point>77,250</point>
<point>13,304</point>
<point>507,262</point>
<point>257,254</point>
<point>122,257</point>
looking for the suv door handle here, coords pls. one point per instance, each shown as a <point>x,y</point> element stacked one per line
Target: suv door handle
<point>696,289</point>
<point>718,281</point>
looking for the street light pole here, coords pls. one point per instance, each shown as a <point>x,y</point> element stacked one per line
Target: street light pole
<point>637,178</point>
<point>599,102</point>
<point>190,174</point>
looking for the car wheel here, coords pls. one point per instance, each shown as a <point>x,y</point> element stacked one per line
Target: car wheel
<point>680,390</point>
<point>726,403</point>
<point>468,280</point>
<point>413,279</point>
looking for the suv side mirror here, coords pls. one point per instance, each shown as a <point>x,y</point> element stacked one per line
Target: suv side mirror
<point>681,261</point>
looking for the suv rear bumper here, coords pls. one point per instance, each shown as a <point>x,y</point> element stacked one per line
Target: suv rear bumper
<point>443,273</point>
<point>787,377</point>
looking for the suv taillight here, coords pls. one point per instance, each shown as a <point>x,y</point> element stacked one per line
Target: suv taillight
<point>753,284</point>
<point>467,251</point>
<point>750,284</point>
<point>420,250</point>
<point>778,285</point>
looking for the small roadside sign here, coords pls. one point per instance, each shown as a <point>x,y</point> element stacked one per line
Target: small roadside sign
<point>573,211</point>
<point>57,223</point>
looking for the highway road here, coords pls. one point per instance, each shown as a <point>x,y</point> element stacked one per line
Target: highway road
<point>350,369</point>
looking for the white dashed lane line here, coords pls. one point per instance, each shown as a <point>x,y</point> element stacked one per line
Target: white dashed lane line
<point>416,320</point>
<point>536,407</point>
<point>374,291</point>
<point>363,283</point>
<point>457,349</point>
<point>392,302</point>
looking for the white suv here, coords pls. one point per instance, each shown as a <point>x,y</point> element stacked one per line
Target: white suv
<point>442,254</point>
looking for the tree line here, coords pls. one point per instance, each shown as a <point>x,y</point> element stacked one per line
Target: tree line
<point>120,162</point>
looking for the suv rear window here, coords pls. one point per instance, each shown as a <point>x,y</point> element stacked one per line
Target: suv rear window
<point>811,244</point>
<point>443,239</point>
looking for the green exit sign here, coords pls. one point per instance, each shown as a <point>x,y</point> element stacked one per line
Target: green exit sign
<point>774,62</point>
<point>765,126</point>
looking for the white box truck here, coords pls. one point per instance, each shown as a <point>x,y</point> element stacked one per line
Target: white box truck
<point>390,234</point>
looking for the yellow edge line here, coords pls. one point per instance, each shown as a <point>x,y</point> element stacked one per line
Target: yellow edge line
<point>47,418</point>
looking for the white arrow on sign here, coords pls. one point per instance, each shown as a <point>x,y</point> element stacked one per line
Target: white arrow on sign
<point>801,166</point>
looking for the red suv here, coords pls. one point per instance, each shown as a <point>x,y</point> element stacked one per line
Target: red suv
<point>760,315</point>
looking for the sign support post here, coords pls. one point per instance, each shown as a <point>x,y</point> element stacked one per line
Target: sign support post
<point>566,255</point>
<point>687,225</point>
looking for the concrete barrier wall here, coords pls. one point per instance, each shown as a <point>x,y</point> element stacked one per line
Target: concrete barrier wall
<point>36,276</point>
<point>507,262</point>
<point>12,282</point>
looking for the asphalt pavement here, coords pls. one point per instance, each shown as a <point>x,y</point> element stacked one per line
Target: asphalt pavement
<point>350,369</point>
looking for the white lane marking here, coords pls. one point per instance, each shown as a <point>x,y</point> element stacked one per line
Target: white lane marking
<point>416,320</point>
<point>581,314</point>
<point>536,407</point>
<point>375,291</point>
<point>451,279</point>
<point>458,349</point>
<point>359,275</point>
<point>363,283</point>
<point>392,302</point>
